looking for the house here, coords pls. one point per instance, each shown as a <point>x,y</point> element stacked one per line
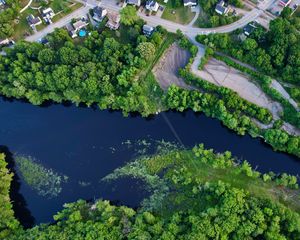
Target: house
<point>33,21</point>
<point>99,13</point>
<point>284,3</point>
<point>2,2</point>
<point>4,42</point>
<point>134,2</point>
<point>71,30</point>
<point>189,3</point>
<point>79,25</point>
<point>114,19</point>
<point>221,8</point>
<point>47,15</point>
<point>152,6</point>
<point>74,28</point>
<point>249,28</point>
<point>148,30</point>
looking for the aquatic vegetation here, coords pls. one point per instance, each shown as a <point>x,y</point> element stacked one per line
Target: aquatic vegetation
<point>46,182</point>
<point>196,194</point>
<point>84,183</point>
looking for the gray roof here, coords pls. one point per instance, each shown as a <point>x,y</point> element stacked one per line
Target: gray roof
<point>98,11</point>
<point>134,2</point>
<point>220,8</point>
<point>190,1</point>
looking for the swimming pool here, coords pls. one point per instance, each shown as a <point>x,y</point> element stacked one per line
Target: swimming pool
<point>82,33</point>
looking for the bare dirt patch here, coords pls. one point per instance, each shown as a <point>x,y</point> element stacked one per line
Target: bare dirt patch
<point>219,73</point>
<point>166,70</point>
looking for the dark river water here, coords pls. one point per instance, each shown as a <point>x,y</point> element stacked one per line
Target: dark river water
<point>86,145</point>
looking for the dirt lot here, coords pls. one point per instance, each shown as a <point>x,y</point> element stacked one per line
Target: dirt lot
<point>166,70</point>
<point>219,73</point>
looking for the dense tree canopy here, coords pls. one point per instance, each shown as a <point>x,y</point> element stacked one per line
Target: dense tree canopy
<point>275,52</point>
<point>101,70</point>
<point>6,18</point>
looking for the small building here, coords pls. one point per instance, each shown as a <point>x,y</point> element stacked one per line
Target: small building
<point>134,2</point>
<point>284,3</point>
<point>2,3</point>
<point>99,13</point>
<point>71,30</point>
<point>148,30</point>
<point>47,15</point>
<point>33,21</point>
<point>74,28</point>
<point>189,3</point>
<point>152,6</point>
<point>114,19</point>
<point>249,28</point>
<point>4,42</point>
<point>79,25</point>
<point>221,8</point>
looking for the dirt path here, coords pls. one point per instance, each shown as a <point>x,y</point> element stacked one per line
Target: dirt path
<point>166,70</point>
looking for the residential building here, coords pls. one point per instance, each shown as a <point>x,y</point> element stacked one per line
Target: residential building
<point>114,19</point>
<point>152,6</point>
<point>148,30</point>
<point>74,28</point>
<point>249,28</point>
<point>4,42</point>
<point>99,13</point>
<point>79,25</point>
<point>134,2</point>
<point>2,2</point>
<point>47,15</point>
<point>284,3</point>
<point>71,30</point>
<point>33,21</point>
<point>221,8</point>
<point>189,3</point>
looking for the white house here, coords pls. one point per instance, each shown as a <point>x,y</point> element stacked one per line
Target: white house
<point>99,13</point>
<point>48,14</point>
<point>190,3</point>
<point>134,2</point>
<point>152,5</point>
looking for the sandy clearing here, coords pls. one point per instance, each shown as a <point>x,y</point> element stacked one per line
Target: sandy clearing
<point>166,70</point>
<point>219,73</point>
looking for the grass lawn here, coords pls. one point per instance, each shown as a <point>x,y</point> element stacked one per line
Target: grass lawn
<point>22,27</point>
<point>67,11</point>
<point>181,14</point>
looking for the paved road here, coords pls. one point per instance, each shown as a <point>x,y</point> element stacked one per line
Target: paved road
<point>190,31</point>
<point>27,6</point>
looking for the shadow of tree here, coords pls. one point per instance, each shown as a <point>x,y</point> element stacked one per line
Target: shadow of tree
<point>22,213</point>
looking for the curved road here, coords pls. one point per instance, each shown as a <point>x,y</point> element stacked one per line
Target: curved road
<point>190,31</point>
<point>28,4</point>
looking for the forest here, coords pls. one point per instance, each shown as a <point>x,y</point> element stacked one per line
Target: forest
<point>194,194</point>
<point>7,16</point>
<point>100,70</point>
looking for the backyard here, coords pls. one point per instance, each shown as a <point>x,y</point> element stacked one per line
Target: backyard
<point>177,12</point>
<point>60,7</point>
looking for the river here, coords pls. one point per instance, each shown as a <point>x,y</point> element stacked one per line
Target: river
<point>86,144</point>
